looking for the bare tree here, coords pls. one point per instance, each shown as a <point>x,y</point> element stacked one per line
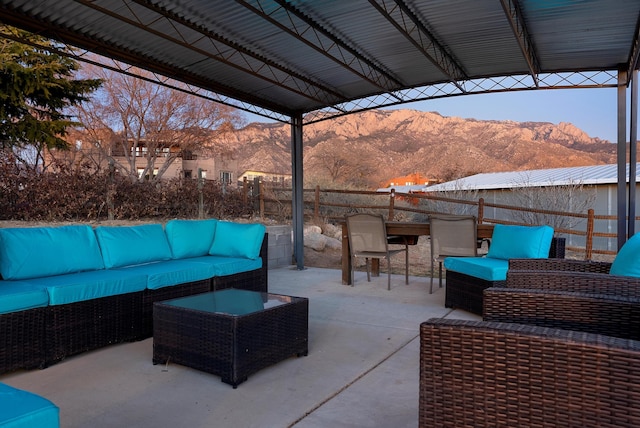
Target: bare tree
<point>445,202</point>
<point>573,197</point>
<point>340,163</point>
<point>144,126</point>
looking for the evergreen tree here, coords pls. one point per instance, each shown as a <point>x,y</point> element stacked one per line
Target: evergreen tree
<point>36,88</point>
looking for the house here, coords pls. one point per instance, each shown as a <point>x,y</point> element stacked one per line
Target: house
<point>274,178</point>
<point>183,163</point>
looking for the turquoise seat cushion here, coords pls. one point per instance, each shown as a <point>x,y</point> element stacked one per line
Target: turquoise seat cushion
<point>485,268</point>
<point>132,245</point>
<point>44,251</point>
<point>223,266</point>
<point>20,296</point>
<point>627,261</point>
<point>190,238</point>
<point>19,408</point>
<point>81,286</point>
<point>237,240</point>
<point>171,272</point>
<point>520,242</point>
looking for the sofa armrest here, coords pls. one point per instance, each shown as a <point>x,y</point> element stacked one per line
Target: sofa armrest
<point>586,282</point>
<point>611,315</point>
<point>559,265</point>
<point>475,373</point>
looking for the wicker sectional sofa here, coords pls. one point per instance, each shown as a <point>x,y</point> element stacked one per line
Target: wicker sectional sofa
<point>69,289</point>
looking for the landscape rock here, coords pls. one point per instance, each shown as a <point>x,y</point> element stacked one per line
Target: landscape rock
<point>315,241</point>
<point>333,243</point>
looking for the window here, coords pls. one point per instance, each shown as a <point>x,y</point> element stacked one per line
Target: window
<point>141,171</point>
<point>188,174</point>
<point>225,176</point>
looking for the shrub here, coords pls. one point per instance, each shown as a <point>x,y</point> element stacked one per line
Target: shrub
<point>81,194</point>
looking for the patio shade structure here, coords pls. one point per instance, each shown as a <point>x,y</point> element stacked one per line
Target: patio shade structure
<point>302,61</point>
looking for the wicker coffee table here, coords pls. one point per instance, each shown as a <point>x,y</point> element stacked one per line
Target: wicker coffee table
<point>230,333</point>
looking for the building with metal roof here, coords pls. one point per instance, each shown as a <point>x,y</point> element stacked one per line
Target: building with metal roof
<point>597,184</point>
<point>587,175</point>
<point>301,61</point>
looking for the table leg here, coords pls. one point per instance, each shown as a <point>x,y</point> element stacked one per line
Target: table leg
<point>346,257</point>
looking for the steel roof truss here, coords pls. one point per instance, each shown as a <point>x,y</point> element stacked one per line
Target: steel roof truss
<point>634,57</point>
<point>399,14</point>
<point>241,58</point>
<point>305,29</point>
<point>514,15</point>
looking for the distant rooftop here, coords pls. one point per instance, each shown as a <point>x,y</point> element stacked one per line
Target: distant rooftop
<point>597,174</point>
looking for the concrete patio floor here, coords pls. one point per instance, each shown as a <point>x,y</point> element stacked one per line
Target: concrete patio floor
<point>361,371</point>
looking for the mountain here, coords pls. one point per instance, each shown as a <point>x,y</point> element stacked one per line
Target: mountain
<point>368,148</point>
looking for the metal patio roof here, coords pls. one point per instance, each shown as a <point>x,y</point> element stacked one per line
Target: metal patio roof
<point>322,58</point>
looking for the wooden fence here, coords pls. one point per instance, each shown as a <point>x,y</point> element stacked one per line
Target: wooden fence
<point>331,205</point>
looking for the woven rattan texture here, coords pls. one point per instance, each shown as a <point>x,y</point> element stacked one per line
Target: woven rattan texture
<point>166,293</point>
<point>465,291</point>
<point>594,313</point>
<point>553,264</point>
<point>82,326</point>
<point>478,374</point>
<point>232,347</point>
<point>22,338</point>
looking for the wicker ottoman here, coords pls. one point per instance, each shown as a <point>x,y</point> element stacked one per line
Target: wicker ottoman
<point>230,333</point>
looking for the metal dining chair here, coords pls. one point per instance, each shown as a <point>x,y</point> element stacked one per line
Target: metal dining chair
<point>368,240</point>
<point>451,236</point>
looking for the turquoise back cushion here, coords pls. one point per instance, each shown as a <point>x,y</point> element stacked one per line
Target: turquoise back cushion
<point>132,245</point>
<point>237,240</point>
<point>627,261</point>
<point>520,242</point>
<point>45,251</point>
<point>190,238</point>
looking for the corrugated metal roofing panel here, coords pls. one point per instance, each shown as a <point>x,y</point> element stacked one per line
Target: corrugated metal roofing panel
<point>588,175</point>
<point>303,56</point>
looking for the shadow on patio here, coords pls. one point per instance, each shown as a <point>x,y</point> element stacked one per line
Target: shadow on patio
<point>361,371</point>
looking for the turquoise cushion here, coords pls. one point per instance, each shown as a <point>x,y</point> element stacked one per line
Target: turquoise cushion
<point>132,245</point>
<point>223,266</point>
<point>520,242</point>
<point>44,251</point>
<point>237,239</point>
<point>485,268</point>
<point>81,286</point>
<point>172,272</point>
<point>190,238</point>
<point>20,295</point>
<point>20,408</point>
<point>627,261</point>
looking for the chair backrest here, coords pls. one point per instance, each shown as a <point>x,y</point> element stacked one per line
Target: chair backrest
<point>453,235</point>
<point>367,232</point>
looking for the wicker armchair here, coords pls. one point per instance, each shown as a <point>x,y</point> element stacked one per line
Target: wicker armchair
<point>489,374</point>
<point>559,346</point>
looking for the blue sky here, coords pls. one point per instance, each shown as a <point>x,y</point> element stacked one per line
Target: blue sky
<point>592,110</point>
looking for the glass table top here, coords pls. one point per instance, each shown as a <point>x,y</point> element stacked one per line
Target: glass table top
<point>230,301</point>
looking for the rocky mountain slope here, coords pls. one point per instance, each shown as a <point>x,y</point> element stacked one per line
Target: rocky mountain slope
<point>367,148</point>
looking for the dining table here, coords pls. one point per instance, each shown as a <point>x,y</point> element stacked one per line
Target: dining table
<point>398,232</point>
